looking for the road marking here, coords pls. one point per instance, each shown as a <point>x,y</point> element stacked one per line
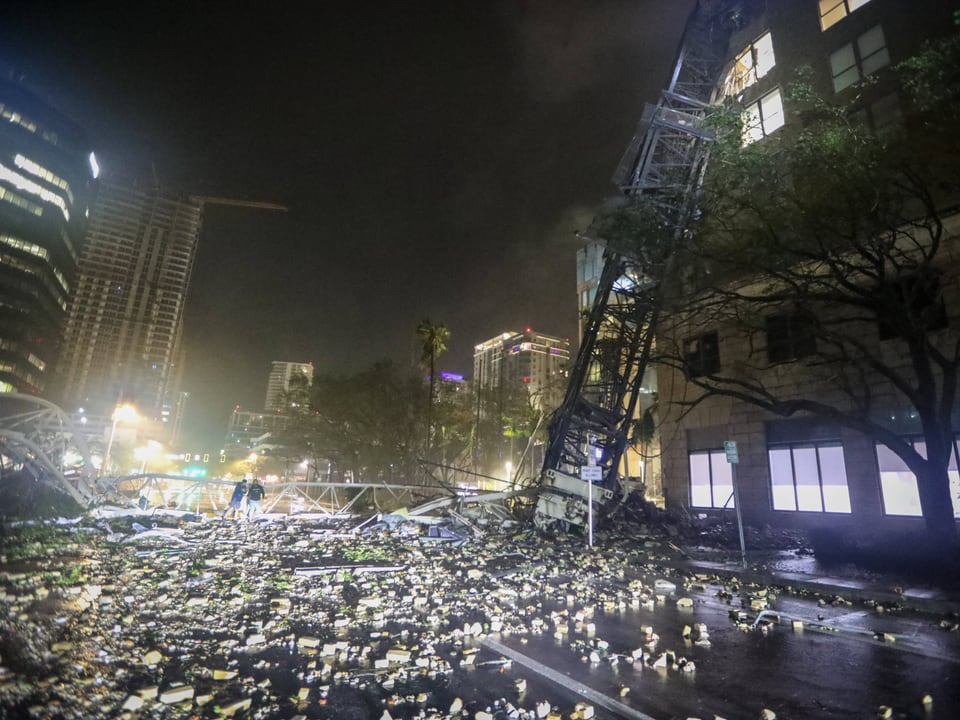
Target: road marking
<point>597,698</point>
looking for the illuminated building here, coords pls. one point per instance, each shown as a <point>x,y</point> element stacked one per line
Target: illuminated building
<point>528,359</point>
<point>805,469</point>
<point>47,174</point>
<point>279,381</point>
<point>249,431</point>
<point>123,335</point>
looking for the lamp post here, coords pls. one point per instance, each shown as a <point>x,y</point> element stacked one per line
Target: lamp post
<point>127,413</point>
<point>143,454</point>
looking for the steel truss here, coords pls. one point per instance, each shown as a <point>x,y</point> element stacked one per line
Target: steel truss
<point>659,176</point>
<point>36,438</point>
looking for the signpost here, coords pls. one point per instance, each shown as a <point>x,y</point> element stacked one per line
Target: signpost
<point>733,457</point>
<point>590,474</point>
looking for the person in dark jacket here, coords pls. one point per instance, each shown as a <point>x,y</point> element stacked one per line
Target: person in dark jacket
<point>236,500</point>
<point>255,495</point>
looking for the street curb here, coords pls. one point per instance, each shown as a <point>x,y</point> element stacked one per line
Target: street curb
<point>925,600</point>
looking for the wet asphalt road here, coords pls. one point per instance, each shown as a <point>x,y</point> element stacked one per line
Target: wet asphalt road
<point>844,669</point>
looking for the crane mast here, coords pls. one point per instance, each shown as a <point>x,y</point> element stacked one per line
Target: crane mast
<point>662,168</point>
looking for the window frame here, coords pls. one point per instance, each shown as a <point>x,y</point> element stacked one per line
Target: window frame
<point>798,344</point>
<point>846,6</point>
<point>818,446</point>
<point>728,502</point>
<point>759,124</point>
<point>924,301</point>
<point>747,68</point>
<point>699,362</point>
<point>859,61</point>
<point>953,469</point>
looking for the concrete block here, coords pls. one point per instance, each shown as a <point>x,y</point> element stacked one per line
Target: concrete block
<point>176,695</point>
<point>398,655</point>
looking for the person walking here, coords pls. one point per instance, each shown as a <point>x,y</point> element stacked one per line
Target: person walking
<point>255,495</point>
<point>236,500</point>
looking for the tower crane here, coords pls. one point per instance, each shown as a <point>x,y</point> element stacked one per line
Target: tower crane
<point>235,202</point>
<point>661,170</point>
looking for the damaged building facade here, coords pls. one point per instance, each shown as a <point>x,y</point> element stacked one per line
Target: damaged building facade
<point>799,469</point>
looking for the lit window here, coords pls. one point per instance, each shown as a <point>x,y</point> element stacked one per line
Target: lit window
<point>833,11</point>
<point>20,201</point>
<point>763,117</point>
<point>701,355</point>
<point>789,337</point>
<point>26,184</point>
<point>808,477</point>
<point>37,170</point>
<point>751,65</point>
<point>898,485</point>
<point>859,59</point>
<point>711,480</point>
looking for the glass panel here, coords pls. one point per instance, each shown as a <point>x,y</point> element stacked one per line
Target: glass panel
<point>897,484</point>
<point>842,60</point>
<point>873,50</point>
<point>955,491</point>
<point>952,471</point>
<point>752,129</point>
<point>765,57</point>
<point>871,41</point>
<point>900,495</point>
<point>846,79</point>
<point>772,106</point>
<point>874,62</point>
<point>700,480</point>
<point>722,480</point>
<point>808,480</point>
<point>741,74</point>
<point>836,496</point>
<point>921,447</point>
<point>781,479</point>
<point>889,461</point>
<point>831,12</point>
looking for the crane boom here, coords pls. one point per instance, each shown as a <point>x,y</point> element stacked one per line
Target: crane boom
<point>236,202</point>
<point>662,168</point>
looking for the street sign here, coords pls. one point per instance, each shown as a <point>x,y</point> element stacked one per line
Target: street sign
<point>591,473</point>
<point>730,450</point>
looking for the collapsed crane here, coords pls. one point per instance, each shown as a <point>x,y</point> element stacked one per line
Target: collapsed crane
<point>660,172</point>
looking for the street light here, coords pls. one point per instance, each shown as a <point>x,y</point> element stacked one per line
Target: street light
<point>127,413</point>
<point>143,454</point>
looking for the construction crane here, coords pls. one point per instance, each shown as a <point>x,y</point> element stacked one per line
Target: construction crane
<point>234,202</point>
<point>659,173</point>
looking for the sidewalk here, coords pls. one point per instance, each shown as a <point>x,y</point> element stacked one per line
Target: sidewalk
<point>806,574</point>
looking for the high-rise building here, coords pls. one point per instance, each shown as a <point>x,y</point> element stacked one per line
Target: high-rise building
<point>525,359</point>
<point>281,375</point>
<point>123,336</point>
<point>246,430</point>
<point>47,174</point>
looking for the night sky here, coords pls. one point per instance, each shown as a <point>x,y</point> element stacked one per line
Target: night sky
<point>437,158</point>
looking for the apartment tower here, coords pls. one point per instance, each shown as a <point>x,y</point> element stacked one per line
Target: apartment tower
<point>124,332</point>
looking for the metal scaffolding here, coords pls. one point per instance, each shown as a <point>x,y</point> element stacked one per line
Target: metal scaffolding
<point>658,176</point>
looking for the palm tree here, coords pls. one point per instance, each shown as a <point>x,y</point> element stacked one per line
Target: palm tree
<point>433,338</point>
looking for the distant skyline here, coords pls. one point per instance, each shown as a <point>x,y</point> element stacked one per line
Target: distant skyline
<point>437,160</point>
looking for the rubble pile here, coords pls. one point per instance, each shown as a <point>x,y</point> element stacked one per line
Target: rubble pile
<point>188,617</point>
<point>208,618</point>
